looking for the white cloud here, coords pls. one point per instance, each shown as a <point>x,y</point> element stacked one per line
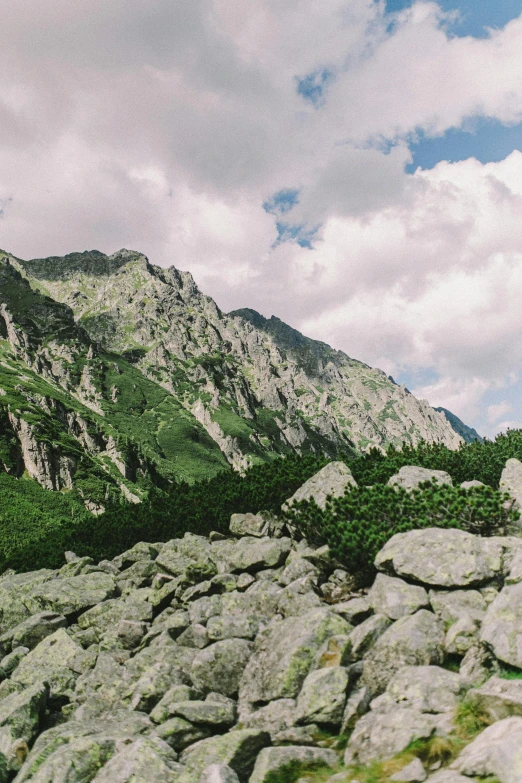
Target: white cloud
<point>165,126</point>
<point>496,412</point>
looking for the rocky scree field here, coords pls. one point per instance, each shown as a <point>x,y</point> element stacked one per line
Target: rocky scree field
<point>250,657</point>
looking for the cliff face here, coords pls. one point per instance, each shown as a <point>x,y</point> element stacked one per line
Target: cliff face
<point>167,384</point>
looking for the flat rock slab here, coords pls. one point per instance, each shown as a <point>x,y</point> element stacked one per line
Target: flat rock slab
<point>428,689</point>
<point>72,595</point>
<point>502,625</point>
<point>284,653</point>
<point>278,761</point>
<point>442,558</point>
<point>332,480</point>
<point>416,640</point>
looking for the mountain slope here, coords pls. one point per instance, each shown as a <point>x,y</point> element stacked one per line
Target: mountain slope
<point>468,434</point>
<point>147,380</point>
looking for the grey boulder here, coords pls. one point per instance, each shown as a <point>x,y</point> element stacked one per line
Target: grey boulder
<point>395,598</point>
<point>502,625</point>
<point>323,697</point>
<point>220,666</point>
<point>273,762</point>
<point>410,476</point>
<point>332,480</point>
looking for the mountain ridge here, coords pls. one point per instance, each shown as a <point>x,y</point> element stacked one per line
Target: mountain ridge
<point>189,389</point>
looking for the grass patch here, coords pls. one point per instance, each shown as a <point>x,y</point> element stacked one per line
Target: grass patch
<point>470,720</point>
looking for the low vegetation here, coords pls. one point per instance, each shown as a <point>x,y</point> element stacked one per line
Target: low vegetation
<point>37,526</point>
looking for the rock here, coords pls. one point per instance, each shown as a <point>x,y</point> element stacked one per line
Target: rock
<point>207,713</point>
<point>448,776</point>
<point>30,632</point>
<point>379,736</point>
<point>20,716</point>
<point>410,476</point>
<point>106,615</point>
<point>249,554</point>
<point>49,661</point>
<point>413,772</point>
<point>357,704</point>
<point>244,581</point>
<point>515,572</point>
<point>471,484</point>
<point>220,666</point>
<point>477,665</point>
<point>364,636</point>
<point>323,697</point>
<point>332,480</point>
<point>284,653</point>
<point>139,552</point>
<point>416,640</point>
<point>10,662</point>
<point>232,626</point>
<point>496,751</point>
<point>166,706</point>
<point>296,569</point>
<point>452,605</point>
<point>179,733</point>
<point>73,595</point>
<point>395,598</point>
<point>218,773</point>
<point>13,590</point>
<point>275,717</point>
<point>428,689</point>
<point>355,610</point>
<point>248,525</point>
<point>237,749</point>
<point>498,698</point>
<point>511,480</point>
<point>273,762</point>
<point>152,685</point>
<point>336,652</point>
<point>442,558</point>
<point>502,625</point>
<point>461,636</point>
<point>144,761</point>
<point>194,636</point>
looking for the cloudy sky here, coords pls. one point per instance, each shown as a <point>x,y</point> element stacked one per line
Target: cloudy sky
<point>351,166</point>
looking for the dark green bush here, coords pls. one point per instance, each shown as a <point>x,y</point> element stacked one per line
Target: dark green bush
<point>357,525</point>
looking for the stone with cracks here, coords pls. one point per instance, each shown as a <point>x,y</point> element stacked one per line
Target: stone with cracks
<point>144,761</point>
<point>502,625</point>
<point>220,666</point>
<point>496,751</point>
<point>237,749</point>
<point>364,636</point>
<point>249,554</point>
<point>49,661</point>
<point>395,598</point>
<point>248,525</point>
<point>69,596</point>
<point>284,653</point>
<point>451,605</point>
<point>428,689</point>
<point>323,697</point>
<point>379,736</point>
<point>442,558</point>
<point>332,480</point>
<point>30,632</point>
<point>416,640</point>
<point>273,762</point>
<point>498,698</point>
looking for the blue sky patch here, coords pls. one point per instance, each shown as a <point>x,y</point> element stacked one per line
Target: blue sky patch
<point>286,232</point>
<point>486,140</point>
<point>312,86</point>
<point>475,15</point>
<point>282,201</point>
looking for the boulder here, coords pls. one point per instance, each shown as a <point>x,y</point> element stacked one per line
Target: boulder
<point>332,480</point>
<point>220,666</point>
<point>496,751</point>
<point>442,558</point>
<point>364,636</point>
<point>49,662</point>
<point>379,736</point>
<point>179,733</point>
<point>413,772</point>
<point>275,762</point>
<point>357,704</point>
<point>355,610</point>
<point>274,717</point>
<point>323,697</point>
<point>498,698</point>
<point>428,689</point>
<point>249,554</point>
<point>448,776</point>
<point>471,484</point>
<point>452,605</point>
<point>144,761</point>
<point>13,591</point>
<point>395,598</point>
<point>218,773</point>
<point>416,640</point>
<point>284,653</point>
<point>461,636</point>
<point>166,706</point>
<point>410,476</point>
<point>237,749</point>
<point>73,595</point>
<point>248,525</point>
<point>511,480</point>
<point>207,713</point>
<point>30,632</point>
<point>106,615</point>
<point>502,625</point>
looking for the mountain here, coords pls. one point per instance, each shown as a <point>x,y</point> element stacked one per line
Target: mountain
<point>468,434</point>
<point>115,374</point>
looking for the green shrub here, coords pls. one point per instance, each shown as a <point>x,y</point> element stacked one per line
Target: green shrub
<point>357,525</point>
